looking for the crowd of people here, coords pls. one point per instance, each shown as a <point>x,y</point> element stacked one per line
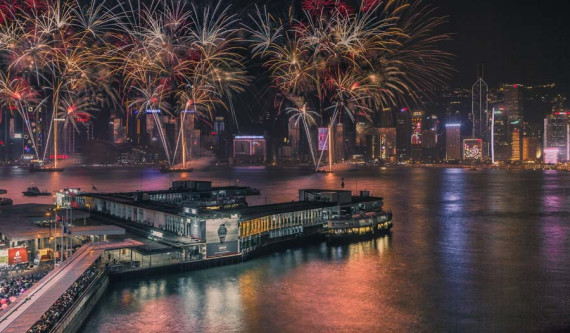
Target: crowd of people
<point>60,307</point>
<point>12,288</point>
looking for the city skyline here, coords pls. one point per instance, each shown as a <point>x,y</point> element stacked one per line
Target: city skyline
<point>284,166</point>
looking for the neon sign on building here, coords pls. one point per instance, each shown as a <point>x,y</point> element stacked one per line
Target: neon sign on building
<point>472,149</point>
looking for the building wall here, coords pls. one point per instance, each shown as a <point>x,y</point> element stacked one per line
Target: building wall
<point>501,133</point>
<point>516,144</point>
<point>403,134</point>
<point>514,101</point>
<point>453,143</point>
<point>557,133</point>
<point>388,143</point>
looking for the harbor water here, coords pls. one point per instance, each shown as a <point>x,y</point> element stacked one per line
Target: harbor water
<point>470,250</point>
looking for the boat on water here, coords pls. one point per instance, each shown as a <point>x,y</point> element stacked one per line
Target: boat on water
<point>6,202</point>
<point>166,169</point>
<point>44,169</point>
<point>361,225</point>
<point>34,191</point>
<point>323,171</point>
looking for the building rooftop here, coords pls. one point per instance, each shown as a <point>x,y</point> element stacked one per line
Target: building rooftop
<point>280,208</point>
<point>27,222</point>
<point>130,200</point>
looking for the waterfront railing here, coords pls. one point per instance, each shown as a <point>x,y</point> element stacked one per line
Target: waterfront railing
<point>83,298</point>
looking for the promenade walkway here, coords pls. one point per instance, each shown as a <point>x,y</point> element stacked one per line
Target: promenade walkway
<point>29,308</point>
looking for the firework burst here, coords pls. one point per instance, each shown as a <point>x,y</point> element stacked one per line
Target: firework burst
<point>173,56</point>
<point>347,62</point>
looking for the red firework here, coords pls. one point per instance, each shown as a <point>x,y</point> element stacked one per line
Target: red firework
<point>369,5</point>
<point>315,7</point>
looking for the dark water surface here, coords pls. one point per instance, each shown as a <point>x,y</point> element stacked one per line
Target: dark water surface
<point>470,250</point>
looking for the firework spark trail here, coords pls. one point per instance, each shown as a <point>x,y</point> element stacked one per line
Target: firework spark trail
<point>307,118</point>
<point>346,63</point>
<point>56,48</point>
<point>18,95</point>
<point>190,52</point>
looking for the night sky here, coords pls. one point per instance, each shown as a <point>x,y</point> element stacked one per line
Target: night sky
<point>518,40</point>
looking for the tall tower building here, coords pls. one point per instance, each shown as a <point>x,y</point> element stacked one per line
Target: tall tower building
<point>500,143</point>
<point>514,101</point>
<point>453,142</point>
<point>339,142</point>
<point>514,107</point>
<point>387,119</point>
<point>294,138</point>
<point>516,142</point>
<point>388,147</point>
<point>557,133</point>
<point>480,109</point>
<point>403,134</point>
<point>416,138</point>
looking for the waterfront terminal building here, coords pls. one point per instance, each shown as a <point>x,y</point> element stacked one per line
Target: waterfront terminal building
<point>209,222</point>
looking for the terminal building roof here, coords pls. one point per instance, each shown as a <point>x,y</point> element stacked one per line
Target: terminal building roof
<point>281,208</point>
<point>24,222</point>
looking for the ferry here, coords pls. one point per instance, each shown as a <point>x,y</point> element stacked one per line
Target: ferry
<point>34,191</point>
<point>359,225</point>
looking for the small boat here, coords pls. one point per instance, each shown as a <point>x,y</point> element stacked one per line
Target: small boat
<point>6,202</point>
<point>473,169</point>
<point>34,191</point>
<point>165,169</point>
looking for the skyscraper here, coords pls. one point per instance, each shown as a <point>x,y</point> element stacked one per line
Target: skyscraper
<point>453,142</point>
<point>514,107</point>
<point>416,138</point>
<point>557,133</point>
<point>294,138</point>
<point>514,101</point>
<point>516,142</point>
<point>388,146</point>
<point>480,109</point>
<point>339,143</point>
<point>500,135</point>
<point>403,134</point>
<point>387,119</point>
<point>530,148</point>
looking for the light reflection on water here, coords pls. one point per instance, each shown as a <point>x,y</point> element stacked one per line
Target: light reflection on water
<point>477,250</point>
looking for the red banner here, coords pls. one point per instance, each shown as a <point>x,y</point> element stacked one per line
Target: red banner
<point>17,255</point>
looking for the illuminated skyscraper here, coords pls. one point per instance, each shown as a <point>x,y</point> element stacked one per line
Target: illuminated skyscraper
<point>516,142</point>
<point>403,134</point>
<point>294,138</point>
<point>514,107</point>
<point>339,143</point>
<point>514,101</point>
<point>500,135</point>
<point>480,109</point>
<point>388,145</point>
<point>530,148</point>
<point>453,142</point>
<point>557,133</point>
<point>416,138</point>
<point>387,119</point>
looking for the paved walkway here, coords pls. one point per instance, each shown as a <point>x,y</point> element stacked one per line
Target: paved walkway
<point>29,307</point>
